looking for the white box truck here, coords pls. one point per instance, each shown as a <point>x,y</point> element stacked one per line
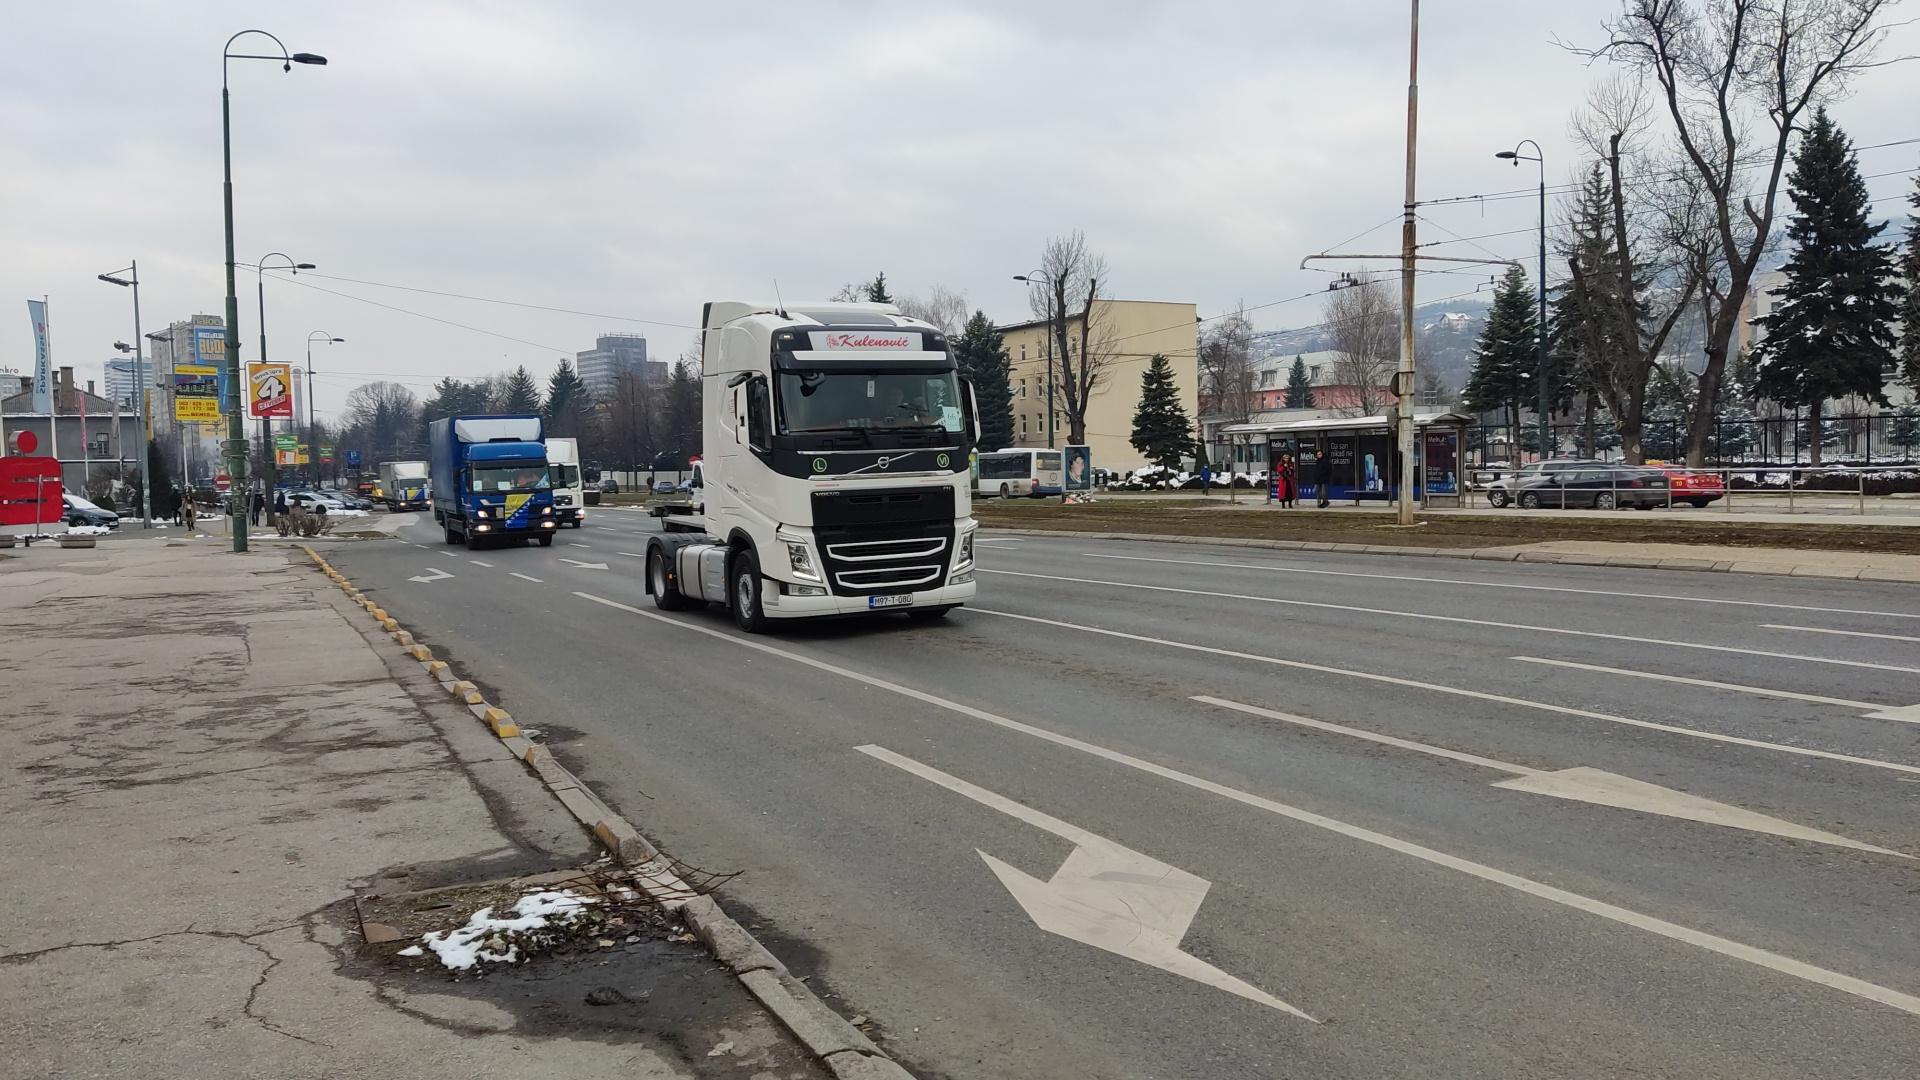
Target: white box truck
<point>569,490</point>
<point>834,468</point>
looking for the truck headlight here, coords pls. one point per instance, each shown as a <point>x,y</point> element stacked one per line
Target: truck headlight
<point>546,511</point>
<point>963,556</point>
<point>480,511</point>
<point>799,558</point>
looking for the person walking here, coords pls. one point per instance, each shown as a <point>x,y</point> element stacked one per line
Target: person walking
<point>187,511</point>
<point>1289,486</point>
<point>1322,476</point>
<point>279,517</point>
<point>257,507</point>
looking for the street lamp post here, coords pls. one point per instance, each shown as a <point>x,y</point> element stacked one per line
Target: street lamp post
<point>266,425</point>
<point>313,442</point>
<point>132,280</point>
<point>1059,319</point>
<point>1540,335</point>
<point>236,430</point>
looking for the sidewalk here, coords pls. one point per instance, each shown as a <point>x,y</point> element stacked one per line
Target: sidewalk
<point>204,759</point>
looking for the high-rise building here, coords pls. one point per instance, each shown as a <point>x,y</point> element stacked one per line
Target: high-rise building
<point>120,379</point>
<point>178,344</point>
<point>611,356</point>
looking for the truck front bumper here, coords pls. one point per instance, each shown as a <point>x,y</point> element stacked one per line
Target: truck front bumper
<point>777,606</point>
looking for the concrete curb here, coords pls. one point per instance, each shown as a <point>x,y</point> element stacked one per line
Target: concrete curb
<point>839,1045</point>
<point>1499,554</point>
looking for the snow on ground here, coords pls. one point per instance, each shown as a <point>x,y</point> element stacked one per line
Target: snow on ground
<point>490,939</point>
<point>88,530</point>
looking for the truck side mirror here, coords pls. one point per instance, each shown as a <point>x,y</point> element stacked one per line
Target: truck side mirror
<point>759,414</point>
<point>973,410</point>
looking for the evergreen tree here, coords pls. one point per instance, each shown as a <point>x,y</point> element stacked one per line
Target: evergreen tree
<point>680,411</point>
<point>1903,430</point>
<point>982,358</point>
<point>1831,333</point>
<point>522,394</point>
<point>1299,385</point>
<point>1910,307</point>
<point>1161,431</point>
<point>567,400</point>
<point>1503,367</point>
<point>877,289</point>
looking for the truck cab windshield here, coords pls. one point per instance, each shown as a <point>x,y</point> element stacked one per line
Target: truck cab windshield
<point>818,401</point>
<point>510,477</point>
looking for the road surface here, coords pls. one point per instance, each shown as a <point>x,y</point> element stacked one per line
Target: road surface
<point>1155,810</point>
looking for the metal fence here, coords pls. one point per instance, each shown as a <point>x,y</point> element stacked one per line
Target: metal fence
<point>1887,437</point>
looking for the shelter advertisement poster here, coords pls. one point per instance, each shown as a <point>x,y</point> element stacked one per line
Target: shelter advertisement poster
<point>1079,468</point>
<point>1443,462</point>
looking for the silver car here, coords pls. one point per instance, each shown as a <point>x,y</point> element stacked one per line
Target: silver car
<point>1500,492</point>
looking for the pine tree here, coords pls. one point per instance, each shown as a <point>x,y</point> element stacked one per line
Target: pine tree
<point>1299,385</point>
<point>1503,367</point>
<point>1161,431</point>
<point>1910,307</point>
<point>567,400</point>
<point>522,393</point>
<point>982,358</point>
<point>1831,333</point>
<point>1903,430</point>
<point>877,289</point>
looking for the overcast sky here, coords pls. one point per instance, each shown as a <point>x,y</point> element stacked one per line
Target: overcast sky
<point>634,160</point>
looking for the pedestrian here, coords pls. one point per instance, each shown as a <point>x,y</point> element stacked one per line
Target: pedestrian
<point>1206,480</point>
<point>1289,486</point>
<point>187,511</point>
<point>1322,476</point>
<point>279,508</point>
<point>257,507</point>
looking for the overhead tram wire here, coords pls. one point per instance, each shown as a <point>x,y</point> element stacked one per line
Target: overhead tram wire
<point>504,303</point>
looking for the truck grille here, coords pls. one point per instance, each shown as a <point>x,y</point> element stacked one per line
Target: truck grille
<point>864,561</point>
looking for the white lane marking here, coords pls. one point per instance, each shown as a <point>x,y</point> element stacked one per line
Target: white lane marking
<point>575,543</point>
<point>1457,691</point>
<point>996,539</point>
<point>1105,895</point>
<point>488,565</point>
<point>630,554</point>
<point>523,577</point>
<point>436,573</point>
<point>444,551</point>
<point>1843,633</point>
<point>1508,585</point>
<point>1583,784</point>
<point>1903,713</point>
<point>1673,931</point>
<point>1462,620</point>
<point>584,565</point>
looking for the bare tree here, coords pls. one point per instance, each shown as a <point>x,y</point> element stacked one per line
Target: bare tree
<point>1226,368</point>
<point>383,417</point>
<point>1070,277</point>
<point>1363,330</point>
<point>942,307</point>
<point>1733,78</point>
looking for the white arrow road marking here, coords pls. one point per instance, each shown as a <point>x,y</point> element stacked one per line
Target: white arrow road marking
<point>1107,896</point>
<point>1461,691</point>
<point>1906,714</point>
<point>1583,785</point>
<point>1699,939</point>
<point>438,575</point>
<point>585,565</point>
<point>1843,633</point>
<point>1459,619</point>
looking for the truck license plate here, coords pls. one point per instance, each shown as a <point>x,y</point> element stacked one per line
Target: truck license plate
<point>897,600</point>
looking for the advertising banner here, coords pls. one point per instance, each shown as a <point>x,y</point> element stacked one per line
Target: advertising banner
<point>270,391</point>
<point>196,410</point>
<point>1079,464</point>
<point>1443,462</point>
<point>286,442</point>
<point>326,454</point>
<point>42,358</point>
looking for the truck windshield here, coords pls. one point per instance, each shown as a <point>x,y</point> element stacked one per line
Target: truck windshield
<point>565,476</point>
<point>813,401</point>
<point>510,476</point>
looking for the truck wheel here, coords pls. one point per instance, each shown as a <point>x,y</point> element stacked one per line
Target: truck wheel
<point>666,590</point>
<point>745,593</point>
<point>453,537</point>
<point>546,539</point>
<point>928,614</point>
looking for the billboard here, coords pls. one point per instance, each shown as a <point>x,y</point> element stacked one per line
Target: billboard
<point>270,391</point>
<point>196,382</point>
<point>1079,468</point>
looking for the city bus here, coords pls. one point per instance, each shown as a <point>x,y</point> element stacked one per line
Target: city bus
<point>1018,471</point>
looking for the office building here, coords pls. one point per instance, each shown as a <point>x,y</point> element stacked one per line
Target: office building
<point>613,355</point>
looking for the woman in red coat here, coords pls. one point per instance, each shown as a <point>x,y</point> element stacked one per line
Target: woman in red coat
<point>1289,481</point>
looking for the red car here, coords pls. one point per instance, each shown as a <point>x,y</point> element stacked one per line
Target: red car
<point>1695,488</point>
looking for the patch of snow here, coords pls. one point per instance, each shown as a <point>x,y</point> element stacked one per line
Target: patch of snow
<point>413,950</point>
<point>485,937</point>
<point>88,530</point>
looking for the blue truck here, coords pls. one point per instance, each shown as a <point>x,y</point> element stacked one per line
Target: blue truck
<point>489,479</point>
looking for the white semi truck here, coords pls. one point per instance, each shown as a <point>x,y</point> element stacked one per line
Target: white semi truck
<point>834,471</point>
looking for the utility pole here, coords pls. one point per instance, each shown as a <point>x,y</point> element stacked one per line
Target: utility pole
<point>1404,437</point>
<point>139,386</point>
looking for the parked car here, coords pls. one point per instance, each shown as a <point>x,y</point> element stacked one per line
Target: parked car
<point>79,511</point>
<point>353,500</point>
<point>609,487</point>
<point>1602,487</point>
<point>663,487</point>
<point>684,487</point>
<point>1694,488</point>
<point>310,499</point>
<point>1500,492</point>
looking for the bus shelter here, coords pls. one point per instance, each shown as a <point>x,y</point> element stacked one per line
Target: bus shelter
<point>1361,452</point>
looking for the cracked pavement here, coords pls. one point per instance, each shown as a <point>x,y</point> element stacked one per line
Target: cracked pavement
<point>204,756</point>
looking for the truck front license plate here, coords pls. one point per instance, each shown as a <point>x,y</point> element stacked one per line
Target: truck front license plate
<point>897,600</point>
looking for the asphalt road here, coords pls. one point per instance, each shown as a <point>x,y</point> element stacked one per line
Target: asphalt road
<point>1366,899</point>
